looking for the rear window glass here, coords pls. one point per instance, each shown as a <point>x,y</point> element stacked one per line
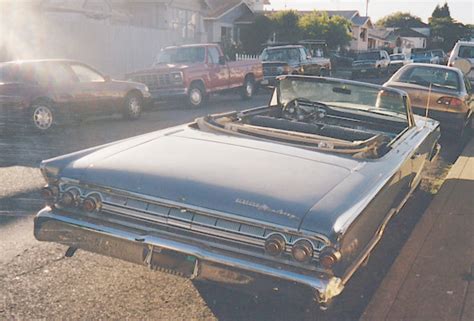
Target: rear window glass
<point>466,52</point>
<point>424,76</point>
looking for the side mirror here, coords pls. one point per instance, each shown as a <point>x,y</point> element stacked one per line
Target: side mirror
<point>107,78</point>
<point>222,60</point>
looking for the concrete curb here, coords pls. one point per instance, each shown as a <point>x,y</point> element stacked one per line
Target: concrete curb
<point>414,288</point>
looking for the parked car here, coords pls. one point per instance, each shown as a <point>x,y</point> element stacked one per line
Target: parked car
<point>397,61</point>
<point>291,197</point>
<point>340,60</point>
<point>425,57</point>
<point>44,93</point>
<point>440,56</point>
<point>292,59</point>
<point>463,50</point>
<point>371,62</point>
<point>196,71</point>
<point>445,91</point>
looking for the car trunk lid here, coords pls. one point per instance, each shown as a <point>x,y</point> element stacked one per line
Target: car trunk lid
<point>255,181</point>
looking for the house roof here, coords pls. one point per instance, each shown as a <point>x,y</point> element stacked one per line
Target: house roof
<point>381,33</point>
<point>246,18</point>
<point>348,14</point>
<point>408,32</point>
<point>218,8</point>
<point>360,21</point>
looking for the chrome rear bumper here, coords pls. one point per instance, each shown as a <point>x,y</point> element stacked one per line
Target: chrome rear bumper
<point>195,262</point>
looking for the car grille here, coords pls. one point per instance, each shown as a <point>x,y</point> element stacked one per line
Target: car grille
<point>271,71</point>
<point>154,81</point>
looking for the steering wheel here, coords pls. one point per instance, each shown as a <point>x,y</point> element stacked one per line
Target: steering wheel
<point>311,111</point>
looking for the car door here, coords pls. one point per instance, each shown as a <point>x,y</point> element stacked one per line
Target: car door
<point>218,70</point>
<point>63,85</point>
<point>91,93</point>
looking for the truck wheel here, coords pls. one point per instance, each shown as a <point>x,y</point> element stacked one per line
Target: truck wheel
<point>248,89</point>
<point>197,96</point>
<point>133,106</point>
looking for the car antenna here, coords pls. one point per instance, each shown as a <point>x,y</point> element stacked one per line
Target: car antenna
<point>428,104</point>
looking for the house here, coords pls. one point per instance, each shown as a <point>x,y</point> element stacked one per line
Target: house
<point>359,30</point>
<point>116,36</point>
<point>403,38</point>
<point>379,38</point>
<point>412,38</point>
<point>360,25</point>
<point>225,18</point>
<point>257,5</point>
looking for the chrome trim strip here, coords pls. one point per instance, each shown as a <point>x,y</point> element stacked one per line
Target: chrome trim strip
<point>327,288</point>
<point>199,210</point>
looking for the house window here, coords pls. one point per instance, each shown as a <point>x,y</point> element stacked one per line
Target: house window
<point>186,22</point>
<point>363,35</point>
<point>226,34</point>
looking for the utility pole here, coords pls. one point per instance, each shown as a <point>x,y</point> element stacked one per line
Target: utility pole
<point>366,8</point>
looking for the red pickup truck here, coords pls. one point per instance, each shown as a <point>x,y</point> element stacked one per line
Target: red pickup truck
<point>196,71</point>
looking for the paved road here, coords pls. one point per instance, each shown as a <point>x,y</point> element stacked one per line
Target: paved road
<point>36,281</point>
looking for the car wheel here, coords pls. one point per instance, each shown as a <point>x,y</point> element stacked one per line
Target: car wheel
<point>197,96</point>
<point>248,89</point>
<point>133,106</point>
<point>42,116</point>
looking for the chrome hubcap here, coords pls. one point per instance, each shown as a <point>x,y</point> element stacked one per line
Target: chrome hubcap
<point>42,117</point>
<point>134,106</point>
<point>195,96</point>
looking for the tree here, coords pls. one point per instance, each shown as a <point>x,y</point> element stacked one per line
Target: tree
<point>255,34</point>
<point>441,12</point>
<point>285,25</point>
<point>338,34</point>
<point>401,20</point>
<point>314,25</point>
<point>445,31</point>
<point>318,25</point>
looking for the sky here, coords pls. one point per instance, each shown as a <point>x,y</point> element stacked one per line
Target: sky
<point>461,10</point>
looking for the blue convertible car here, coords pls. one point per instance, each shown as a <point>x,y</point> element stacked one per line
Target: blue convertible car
<point>292,196</point>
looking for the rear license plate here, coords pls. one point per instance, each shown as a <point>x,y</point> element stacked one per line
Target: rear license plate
<point>171,262</point>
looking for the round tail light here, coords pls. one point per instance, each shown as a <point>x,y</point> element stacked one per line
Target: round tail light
<point>329,257</point>
<point>91,204</point>
<point>70,198</point>
<point>275,245</point>
<point>49,192</point>
<point>302,251</point>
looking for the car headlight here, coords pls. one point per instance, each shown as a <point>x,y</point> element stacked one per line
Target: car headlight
<point>177,77</point>
<point>146,88</point>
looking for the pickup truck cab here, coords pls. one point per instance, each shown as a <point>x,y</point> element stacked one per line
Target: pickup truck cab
<point>196,71</point>
<point>292,60</point>
<point>371,62</point>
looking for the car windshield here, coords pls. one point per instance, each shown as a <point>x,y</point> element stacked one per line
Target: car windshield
<point>397,57</point>
<point>347,95</point>
<point>281,54</point>
<point>181,55</point>
<point>426,76</point>
<point>420,54</point>
<point>368,56</point>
